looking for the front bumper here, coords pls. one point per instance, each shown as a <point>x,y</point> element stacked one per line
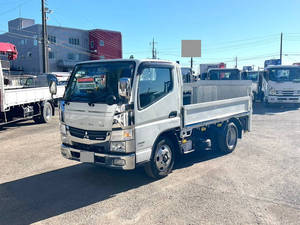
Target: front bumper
<point>103,159</point>
<point>283,99</point>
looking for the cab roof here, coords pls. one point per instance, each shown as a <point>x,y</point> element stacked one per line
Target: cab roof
<point>282,67</point>
<point>137,61</point>
<point>217,69</point>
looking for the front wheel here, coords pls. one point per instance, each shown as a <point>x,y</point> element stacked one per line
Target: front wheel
<point>162,159</point>
<point>228,138</point>
<point>46,115</point>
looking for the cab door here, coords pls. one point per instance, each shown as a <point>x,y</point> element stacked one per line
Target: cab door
<point>157,105</point>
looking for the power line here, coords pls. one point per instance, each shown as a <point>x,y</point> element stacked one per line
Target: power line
<point>14,8</point>
<point>31,37</point>
<point>226,60</point>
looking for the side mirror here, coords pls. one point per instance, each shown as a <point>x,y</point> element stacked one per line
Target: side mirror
<point>124,87</point>
<point>111,99</point>
<point>53,87</point>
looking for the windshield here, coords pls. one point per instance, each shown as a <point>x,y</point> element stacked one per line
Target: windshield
<point>250,76</point>
<point>224,75</point>
<point>95,82</point>
<point>186,75</point>
<point>286,74</point>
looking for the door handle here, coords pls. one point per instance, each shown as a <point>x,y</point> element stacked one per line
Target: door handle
<point>172,114</point>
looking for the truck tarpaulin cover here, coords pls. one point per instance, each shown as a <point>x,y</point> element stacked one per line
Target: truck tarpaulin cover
<point>9,50</point>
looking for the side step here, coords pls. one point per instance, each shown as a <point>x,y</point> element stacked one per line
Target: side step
<point>188,151</point>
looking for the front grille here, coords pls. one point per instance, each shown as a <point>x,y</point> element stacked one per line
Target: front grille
<point>288,92</point>
<point>89,134</point>
<point>285,93</point>
<point>89,148</point>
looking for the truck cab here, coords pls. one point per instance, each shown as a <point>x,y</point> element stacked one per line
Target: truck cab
<point>223,74</point>
<point>281,84</point>
<point>126,113</point>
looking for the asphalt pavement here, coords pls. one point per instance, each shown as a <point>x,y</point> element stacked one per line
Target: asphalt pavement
<point>259,183</point>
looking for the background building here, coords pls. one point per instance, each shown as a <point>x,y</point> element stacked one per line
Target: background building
<point>67,46</point>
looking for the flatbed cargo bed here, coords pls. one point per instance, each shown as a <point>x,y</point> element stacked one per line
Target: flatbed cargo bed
<point>21,96</point>
<point>203,114</point>
<point>214,101</point>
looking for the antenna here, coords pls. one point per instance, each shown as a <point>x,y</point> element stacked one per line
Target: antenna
<point>154,52</point>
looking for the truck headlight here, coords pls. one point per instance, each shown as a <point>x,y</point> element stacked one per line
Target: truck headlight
<point>63,129</point>
<point>122,135</point>
<point>118,146</point>
<point>272,91</point>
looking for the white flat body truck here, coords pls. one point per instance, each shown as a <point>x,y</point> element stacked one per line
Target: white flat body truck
<point>281,85</point>
<point>18,102</point>
<point>126,113</point>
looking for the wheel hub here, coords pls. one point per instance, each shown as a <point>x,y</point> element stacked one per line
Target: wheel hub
<point>163,157</point>
<point>231,137</point>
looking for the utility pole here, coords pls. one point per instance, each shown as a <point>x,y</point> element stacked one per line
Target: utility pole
<point>281,48</point>
<point>192,63</point>
<point>44,38</point>
<point>154,55</point>
<point>236,62</point>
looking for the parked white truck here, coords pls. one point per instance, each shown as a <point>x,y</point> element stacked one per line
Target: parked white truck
<point>127,113</point>
<point>19,101</point>
<point>256,77</point>
<point>223,74</point>
<point>281,84</point>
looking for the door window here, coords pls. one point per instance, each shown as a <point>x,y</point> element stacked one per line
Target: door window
<point>154,83</point>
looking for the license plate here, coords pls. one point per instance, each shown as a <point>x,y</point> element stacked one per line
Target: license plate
<point>87,157</point>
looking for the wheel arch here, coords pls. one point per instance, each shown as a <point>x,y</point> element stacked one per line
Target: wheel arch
<point>52,105</point>
<point>172,134</point>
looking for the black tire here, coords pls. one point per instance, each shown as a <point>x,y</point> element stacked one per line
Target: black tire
<point>162,159</point>
<point>227,138</point>
<point>47,112</point>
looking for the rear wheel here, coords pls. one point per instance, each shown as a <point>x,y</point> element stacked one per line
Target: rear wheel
<point>162,159</point>
<point>227,140</point>
<point>46,115</point>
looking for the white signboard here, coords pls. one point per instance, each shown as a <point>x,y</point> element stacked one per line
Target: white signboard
<point>191,48</point>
